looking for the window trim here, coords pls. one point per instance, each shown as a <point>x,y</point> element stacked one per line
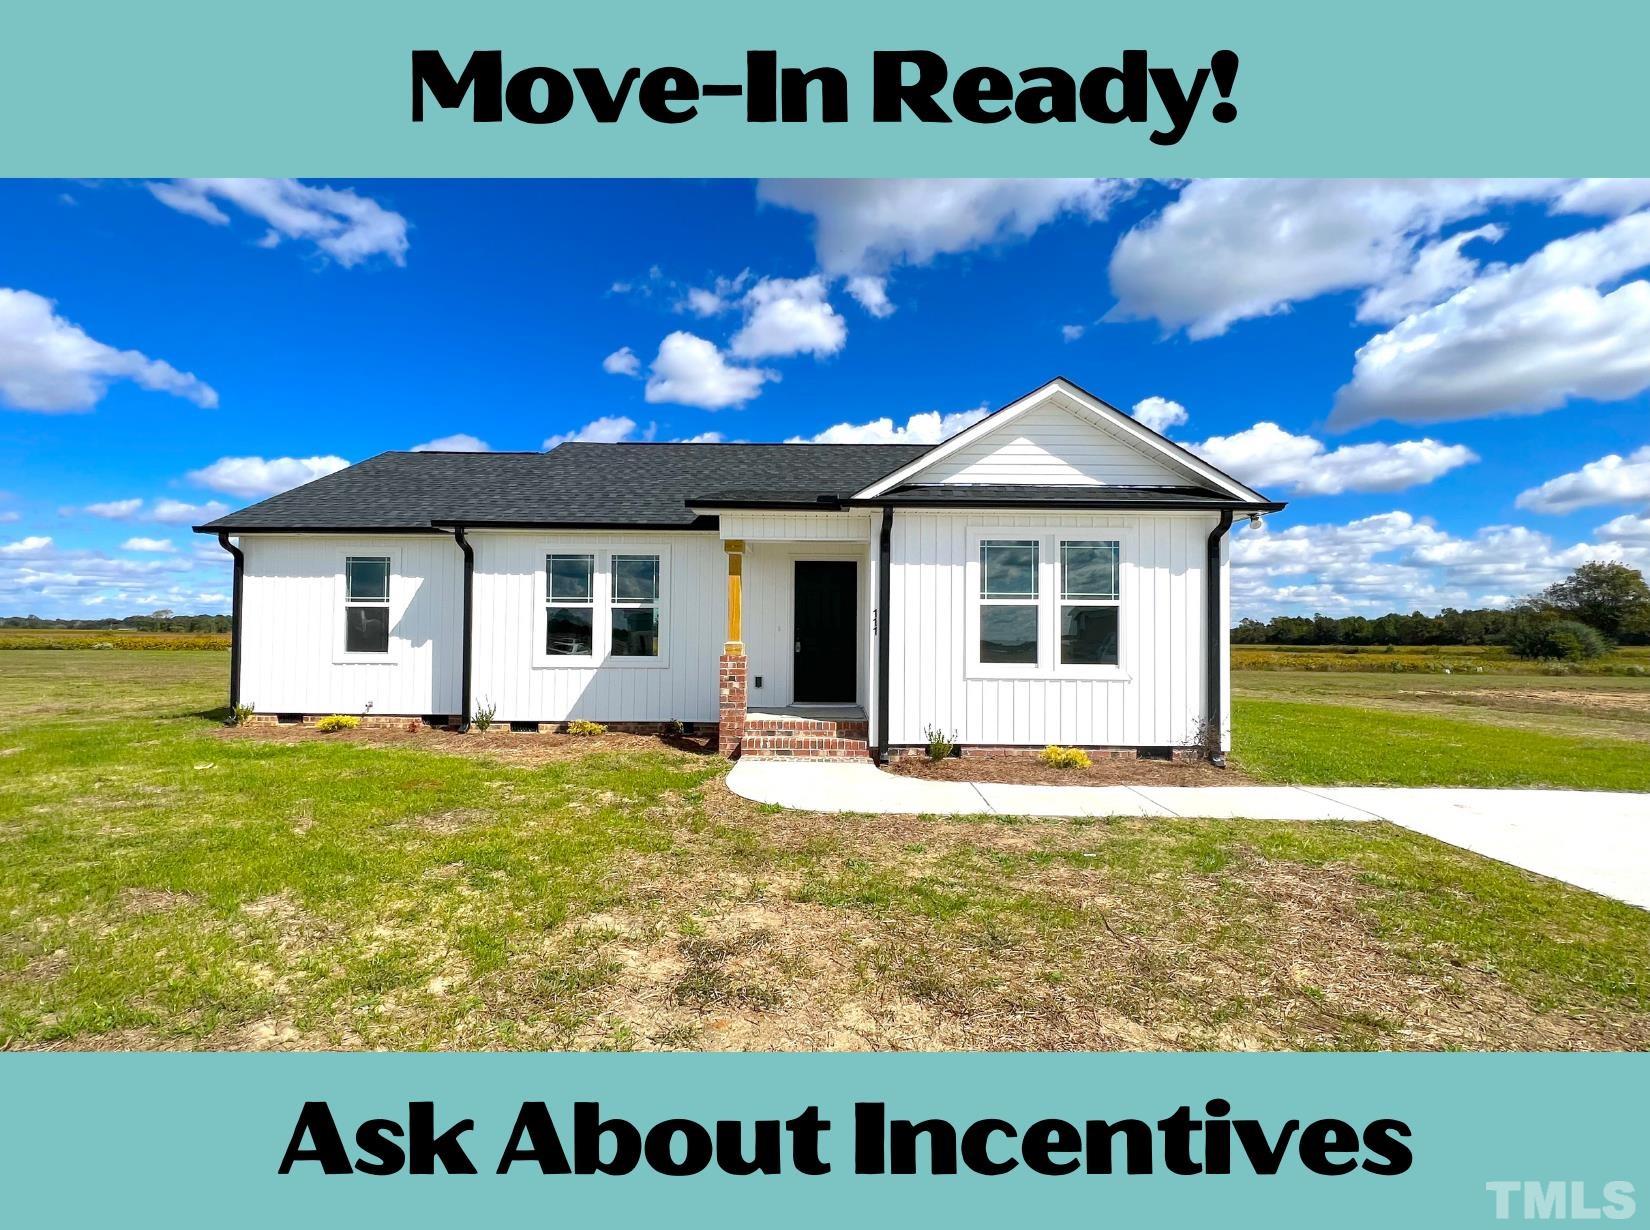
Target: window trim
<point>602,604</point>
<point>1061,602</point>
<point>393,602</point>
<point>1050,603</point>
<point>592,603</point>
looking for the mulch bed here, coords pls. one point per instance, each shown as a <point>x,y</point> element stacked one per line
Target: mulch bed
<point>499,743</point>
<point>1028,770</point>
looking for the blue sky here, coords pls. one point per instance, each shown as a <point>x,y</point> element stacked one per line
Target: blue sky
<point>1447,379</point>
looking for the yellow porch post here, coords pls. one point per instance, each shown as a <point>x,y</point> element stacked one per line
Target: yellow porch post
<point>735,548</point>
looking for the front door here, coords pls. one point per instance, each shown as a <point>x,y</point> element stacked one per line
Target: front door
<point>822,671</point>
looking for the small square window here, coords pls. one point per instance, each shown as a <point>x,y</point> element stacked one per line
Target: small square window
<point>569,632</point>
<point>1008,634</point>
<point>367,629</point>
<point>635,578</point>
<point>1008,569</point>
<point>367,578</point>
<point>1088,570</point>
<point>1088,635</point>
<point>570,577</point>
<point>635,632</point>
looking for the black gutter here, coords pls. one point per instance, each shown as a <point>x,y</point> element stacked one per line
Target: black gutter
<point>365,530</point>
<point>885,589</point>
<point>234,624</point>
<point>1214,625</point>
<point>468,624</point>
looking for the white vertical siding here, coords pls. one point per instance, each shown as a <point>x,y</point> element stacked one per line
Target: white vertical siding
<point>1051,446</point>
<point>769,616</point>
<point>790,526</point>
<point>293,617</point>
<point>1158,704</point>
<point>505,612</point>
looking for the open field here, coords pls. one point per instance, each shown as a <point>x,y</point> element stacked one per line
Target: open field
<point>1632,661</point>
<point>165,883</point>
<point>108,638</point>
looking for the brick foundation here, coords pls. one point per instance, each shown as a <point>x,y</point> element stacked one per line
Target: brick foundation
<point>731,678</point>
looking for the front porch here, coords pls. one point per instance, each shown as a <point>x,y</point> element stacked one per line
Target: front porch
<point>796,673</point>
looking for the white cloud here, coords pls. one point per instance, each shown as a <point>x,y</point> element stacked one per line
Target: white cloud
<point>1229,250</point>
<point>1609,480</point>
<point>722,296</point>
<point>347,227</point>
<point>622,362</point>
<point>177,512</point>
<point>1158,413</point>
<point>610,429</point>
<point>10,515</point>
<point>1627,529</point>
<point>32,545</point>
<point>39,577</point>
<point>690,371</point>
<point>704,437</point>
<point>461,442</point>
<point>868,226</point>
<point>254,477</point>
<point>1609,197</point>
<point>51,365</point>
<point>789,316</point>
<point>1438,271</point>
<point>1395,561</point>
<point>929,427</point>
<point>1267,456</point>
<point>148,544</point>
<point>871,293</point>
<point>115,510</point>
<point>1071,333</point>
<point>1516,340</point>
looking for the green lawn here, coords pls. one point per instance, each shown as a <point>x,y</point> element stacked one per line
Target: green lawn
<point>164,883</point>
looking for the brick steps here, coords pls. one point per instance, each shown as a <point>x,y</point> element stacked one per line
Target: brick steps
<point>774,737</point>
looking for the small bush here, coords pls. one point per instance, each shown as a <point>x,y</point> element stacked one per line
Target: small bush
<point>940,745</point>
<point>241,714</point>
<point>673,729</point>
<point>1560,640</point>
<point>584,727</point>
<point>103,645</point>
<point>337,721</point>
<point>483,717</point>
<point>1065,757</point>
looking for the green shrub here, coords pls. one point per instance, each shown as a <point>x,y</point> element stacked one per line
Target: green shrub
<point>940,745</point>
<point>337,721</point>
<point>673,729</point>
<point>1561,640</point>
<point>585,727</point>
<point>1065,757</point>
<point>240,714</point>
<point>483,718</point>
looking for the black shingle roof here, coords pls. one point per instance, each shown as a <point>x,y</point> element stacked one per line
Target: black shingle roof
<point>617,485</point>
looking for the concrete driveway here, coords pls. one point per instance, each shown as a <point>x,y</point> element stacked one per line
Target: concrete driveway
<point>1593,839</point>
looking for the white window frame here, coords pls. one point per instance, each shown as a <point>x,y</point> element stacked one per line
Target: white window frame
<point>341,601</point>
<point>1049,603</point>
<point>602,605</point>
<point>1061,602</point>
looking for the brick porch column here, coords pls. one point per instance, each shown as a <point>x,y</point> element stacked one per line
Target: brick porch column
<point>731,672</point>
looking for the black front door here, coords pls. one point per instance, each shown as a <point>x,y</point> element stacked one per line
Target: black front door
<point>822,671</point>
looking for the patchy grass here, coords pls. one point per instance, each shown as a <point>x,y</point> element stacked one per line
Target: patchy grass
<point>168,884</point>
<point>1631,661</point>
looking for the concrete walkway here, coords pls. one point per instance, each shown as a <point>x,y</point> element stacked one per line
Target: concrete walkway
<point>1593,839</point>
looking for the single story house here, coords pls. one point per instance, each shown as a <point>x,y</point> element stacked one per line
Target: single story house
<point>1057,573</point>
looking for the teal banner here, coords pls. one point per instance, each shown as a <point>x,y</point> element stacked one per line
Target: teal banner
<point>195,87</point>
<point>1350,1140</point>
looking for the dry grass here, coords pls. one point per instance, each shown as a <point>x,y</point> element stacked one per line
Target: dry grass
<point>1104,771</point>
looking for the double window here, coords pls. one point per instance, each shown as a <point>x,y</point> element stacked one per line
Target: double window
<point>603,605</point>
<point>1047,604</point>
<point>366,604</point>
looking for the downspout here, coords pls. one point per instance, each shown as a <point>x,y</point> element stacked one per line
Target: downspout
<point>234,624</point>
<point>885,589</point>
<point>468,622</point>
<point>1212,620</point>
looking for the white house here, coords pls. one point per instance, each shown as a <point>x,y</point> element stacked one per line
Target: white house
<point>1055,574</point>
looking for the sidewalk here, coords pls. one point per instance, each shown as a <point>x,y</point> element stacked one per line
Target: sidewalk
<point>1593,839</point>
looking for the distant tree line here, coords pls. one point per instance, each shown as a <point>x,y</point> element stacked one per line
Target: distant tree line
<point>157,621</point>
<point>1610,600</point>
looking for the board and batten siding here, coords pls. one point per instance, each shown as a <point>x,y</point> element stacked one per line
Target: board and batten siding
<point>1159,704</point>
<point>1049,446</point>
<point>292,626</point>
<point>506,600</point>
